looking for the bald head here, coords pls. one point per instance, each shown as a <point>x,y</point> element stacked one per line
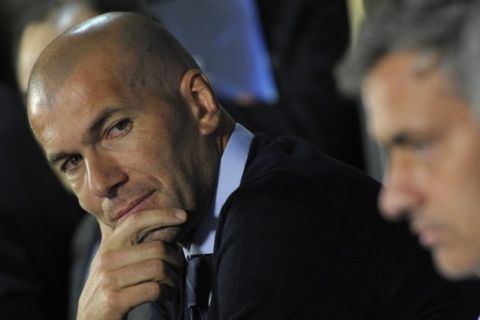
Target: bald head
<point>120,109</point>
<point>137,50</point>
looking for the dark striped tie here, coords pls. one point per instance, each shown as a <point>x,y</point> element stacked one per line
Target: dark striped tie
<point>198,282</point>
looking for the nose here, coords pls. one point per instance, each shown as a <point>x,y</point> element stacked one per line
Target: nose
<point>401,194</point>
<point>105,175</point>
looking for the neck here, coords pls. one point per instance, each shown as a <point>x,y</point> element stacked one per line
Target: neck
<point>225,130</point>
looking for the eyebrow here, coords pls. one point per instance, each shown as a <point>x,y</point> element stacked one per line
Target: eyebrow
<point>54,158</point>
<point>404,139</point>
<point>90,134</point>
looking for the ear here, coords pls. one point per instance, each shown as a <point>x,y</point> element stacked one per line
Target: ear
<point>199,96</point>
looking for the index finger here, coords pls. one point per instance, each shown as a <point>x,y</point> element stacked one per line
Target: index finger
<point>134,227</point>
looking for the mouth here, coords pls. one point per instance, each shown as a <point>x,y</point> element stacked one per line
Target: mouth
<point>429,236</point>
<point>139,204</point>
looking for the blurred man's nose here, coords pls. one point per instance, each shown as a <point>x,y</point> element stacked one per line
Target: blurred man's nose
<point>105,175</point>
<point>400,195</point>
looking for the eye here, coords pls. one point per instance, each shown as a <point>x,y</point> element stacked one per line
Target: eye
<point>422,149</point>
<point>120,128</point>
<point>71,163</point>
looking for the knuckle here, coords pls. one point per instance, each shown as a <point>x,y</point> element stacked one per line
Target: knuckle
<point>105,260</point>
<point>153,290</point>
<point>107,281</point>
<point>157,267</point>
<point>111,302</point>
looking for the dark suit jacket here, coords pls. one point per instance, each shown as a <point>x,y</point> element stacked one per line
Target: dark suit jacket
<point>301,239</point>
<point>37,218</point>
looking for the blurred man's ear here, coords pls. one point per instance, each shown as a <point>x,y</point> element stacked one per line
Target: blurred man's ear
<point>199,96</point>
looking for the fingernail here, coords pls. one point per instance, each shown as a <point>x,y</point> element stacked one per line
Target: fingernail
<point>181,215</point>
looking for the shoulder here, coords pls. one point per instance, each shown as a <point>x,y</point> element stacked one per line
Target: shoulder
<point>296,157</point>
<point>288,175</point>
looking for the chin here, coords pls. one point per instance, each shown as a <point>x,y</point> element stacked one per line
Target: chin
<point>455,266</point>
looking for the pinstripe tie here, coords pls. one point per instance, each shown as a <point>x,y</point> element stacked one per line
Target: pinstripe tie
<point>198,282</point>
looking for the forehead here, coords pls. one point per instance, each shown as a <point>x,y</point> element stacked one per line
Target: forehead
<point>398,94</point>
<point>59,106</point>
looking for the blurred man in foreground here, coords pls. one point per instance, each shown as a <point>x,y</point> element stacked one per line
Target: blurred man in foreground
<point>417,66</point>
<point>123,111</point>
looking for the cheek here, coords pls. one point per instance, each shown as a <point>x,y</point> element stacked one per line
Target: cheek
<point>89,203</point>
<point>463,173</point>
<point>455,193</point>
<point>147,156</point>
<point>466,197</point>
<point>145,146</point>
<point>151,162</point>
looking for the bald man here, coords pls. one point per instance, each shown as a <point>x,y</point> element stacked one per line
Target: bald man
<point>276,229</point>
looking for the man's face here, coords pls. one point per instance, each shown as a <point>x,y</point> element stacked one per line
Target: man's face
<point>433,143</point>
<point>122,148</point>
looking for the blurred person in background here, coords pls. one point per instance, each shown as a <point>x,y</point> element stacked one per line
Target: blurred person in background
<point>40,25</point>
<point>305,41</point>
<point>416,65</point>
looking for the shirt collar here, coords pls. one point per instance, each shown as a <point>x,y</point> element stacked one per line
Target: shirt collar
<point>232,165</point>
